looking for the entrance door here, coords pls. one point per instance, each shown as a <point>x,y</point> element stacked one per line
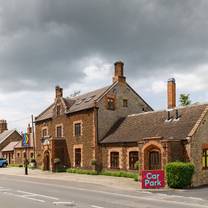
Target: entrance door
<point>46,161</point>
<point>154,160</point>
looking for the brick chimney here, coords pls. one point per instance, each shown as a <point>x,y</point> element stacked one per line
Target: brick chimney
<point>171,93</point>
<point>119,72</point>
<point>3,126</point>
<point>59,92</point>
<point>29,129</point>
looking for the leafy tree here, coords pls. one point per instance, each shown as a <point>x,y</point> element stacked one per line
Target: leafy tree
<point>185,99</point>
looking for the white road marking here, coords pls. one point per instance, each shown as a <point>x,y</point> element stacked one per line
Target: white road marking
<point>5,189</point>
<point>38,195</point>
<point>21,196</point>
<point>94,206</point>
<point>64,203</point>
<point>144,198</point>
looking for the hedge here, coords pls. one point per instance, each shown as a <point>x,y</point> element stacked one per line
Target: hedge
<point>81,171</point>
<point>105,173</point>
<point>179,174</point>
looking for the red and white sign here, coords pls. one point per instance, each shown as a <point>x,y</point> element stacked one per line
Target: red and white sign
<point>153,179</point>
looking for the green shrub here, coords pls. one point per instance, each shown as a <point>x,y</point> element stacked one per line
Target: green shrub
<point>81,171</point>
<point>61,169</point>
<point>15,165</point>
<point>105,173</point>
<point>137,165</point>
<point>179,174</point>
<point>120,174</point>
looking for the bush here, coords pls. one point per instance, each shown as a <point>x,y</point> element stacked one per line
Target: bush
<point>57,161</point>
<point>61,169</point>
<point>15,165</point>
<point>179,174</point>
<point>81,171</point>
<point>120,174</point>
<point>137,165</point>
<point>93,162</point>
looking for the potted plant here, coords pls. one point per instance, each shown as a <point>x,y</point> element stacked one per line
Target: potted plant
<point>94,163</point>
<point>57,162</point>
<point>33,163</point>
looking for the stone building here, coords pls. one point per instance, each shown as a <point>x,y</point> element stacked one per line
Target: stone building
<point>116,128</point>
<point>71,128</point>
<point>16,153</point>
<point>7,136</point>
<point>158,137</point>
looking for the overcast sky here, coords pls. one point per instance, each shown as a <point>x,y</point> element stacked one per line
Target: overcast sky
<point>75,43</point>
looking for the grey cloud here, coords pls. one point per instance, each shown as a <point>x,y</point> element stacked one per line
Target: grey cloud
<point>44,41</point>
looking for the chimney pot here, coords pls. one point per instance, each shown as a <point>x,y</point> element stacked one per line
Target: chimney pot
<point>3,126</point>
<point>119,72</point>
<point>59,92</point>
<point>171,93</point>
<point>29,129</point>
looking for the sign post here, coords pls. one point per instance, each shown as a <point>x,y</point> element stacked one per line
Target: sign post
<point>153,179</point>
<point>25,143</point>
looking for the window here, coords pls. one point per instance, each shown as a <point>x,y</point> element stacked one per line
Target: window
<point>133,158</point>
<point>77,129</point>
<point>24,154</point>
<point>31,155</point>
<point>154,160</point>
<point>114,160</point>
<point>111,104</point>
<point>44,132</point>
<point>59,131</point>
<point>18,154</point>
<point>205,159</point>
<point>78,157</point>
<point>125,103</point>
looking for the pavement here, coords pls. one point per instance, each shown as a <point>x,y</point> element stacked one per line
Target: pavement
<point>115,182</point>
<point>45,189</point>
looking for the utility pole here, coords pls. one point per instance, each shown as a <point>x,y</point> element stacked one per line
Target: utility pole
<point>33,137</point>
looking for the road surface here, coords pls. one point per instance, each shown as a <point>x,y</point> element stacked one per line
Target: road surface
<point>23,192</point>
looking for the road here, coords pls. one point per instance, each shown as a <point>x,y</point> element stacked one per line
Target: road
<point>22,192</point>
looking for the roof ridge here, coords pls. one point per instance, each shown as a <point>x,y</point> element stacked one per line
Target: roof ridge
<point>91,91</point>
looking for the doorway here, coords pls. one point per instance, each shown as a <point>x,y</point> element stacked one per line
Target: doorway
<point>46,161</point>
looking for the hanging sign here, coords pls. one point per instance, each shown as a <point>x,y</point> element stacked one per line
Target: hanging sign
<point>153,179</point>
<point>25,140</point>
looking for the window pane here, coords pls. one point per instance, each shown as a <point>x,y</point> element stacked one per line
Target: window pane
<point>114,160</point>
<point>133,158</point>
<point>59,131</point>
<point>77,129</point>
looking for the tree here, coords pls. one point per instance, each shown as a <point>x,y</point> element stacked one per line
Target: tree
<point>185,99</point>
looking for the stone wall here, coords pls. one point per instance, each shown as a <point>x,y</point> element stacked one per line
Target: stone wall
<point>86,139</point>
<point>197,142</point>
<point>107,118</point>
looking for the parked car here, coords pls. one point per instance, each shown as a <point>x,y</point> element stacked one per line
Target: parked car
<point>3,162</point>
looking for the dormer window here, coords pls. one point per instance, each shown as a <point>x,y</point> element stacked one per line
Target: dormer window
<point>110,103</point>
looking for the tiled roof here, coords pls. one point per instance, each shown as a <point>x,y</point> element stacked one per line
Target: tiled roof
<point>10,147</point>
<point>134,128</point>
<point>5,135</point>
<point>87,100</point>
<point>75,104</point>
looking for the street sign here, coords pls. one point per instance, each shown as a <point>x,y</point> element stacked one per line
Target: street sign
<point>25,140</point>
<point>153,179</point>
